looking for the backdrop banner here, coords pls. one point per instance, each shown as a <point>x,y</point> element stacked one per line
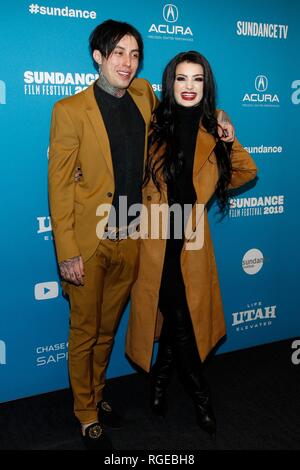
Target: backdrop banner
<point>253,48</point>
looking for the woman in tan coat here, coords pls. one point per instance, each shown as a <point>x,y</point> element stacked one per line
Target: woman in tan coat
<point>188,164</point>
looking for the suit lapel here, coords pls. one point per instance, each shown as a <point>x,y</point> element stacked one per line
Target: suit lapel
<point>143,106</point>
<point>98,125</point>
<point>141,103</point>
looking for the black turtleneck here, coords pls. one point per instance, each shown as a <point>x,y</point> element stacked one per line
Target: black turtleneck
<point>187,119</point>
<point>180,190</point>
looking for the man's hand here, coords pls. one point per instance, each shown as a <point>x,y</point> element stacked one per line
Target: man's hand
<point>71,270</point>
<point>78,174</point>
<point>225,127</point>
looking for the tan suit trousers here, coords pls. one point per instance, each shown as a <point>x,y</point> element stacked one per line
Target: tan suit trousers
<point>95,311</point>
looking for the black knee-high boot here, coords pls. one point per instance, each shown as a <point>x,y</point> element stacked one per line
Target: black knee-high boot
<point>161,371</point>
<point>190,368</point>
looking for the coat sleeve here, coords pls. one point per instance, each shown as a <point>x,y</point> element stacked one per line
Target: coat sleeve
<point>243,166</point>
<point>153,98</point>
<point>63,151</point>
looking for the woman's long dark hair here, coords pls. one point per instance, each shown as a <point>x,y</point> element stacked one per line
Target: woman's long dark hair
<point>165,156</point>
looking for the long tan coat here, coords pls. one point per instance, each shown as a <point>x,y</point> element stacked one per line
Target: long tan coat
<point>79,139</point>
<point>198,266</point>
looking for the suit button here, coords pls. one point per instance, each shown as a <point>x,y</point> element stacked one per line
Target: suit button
<point>149,198</point>
<point>109,194</point>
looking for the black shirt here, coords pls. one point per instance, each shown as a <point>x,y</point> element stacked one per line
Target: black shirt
<point>125,128</point>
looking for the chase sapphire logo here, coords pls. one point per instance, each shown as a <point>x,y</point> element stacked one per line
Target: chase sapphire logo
<point>261,83</point>
<point>2,92</point>
<point>170,13</point>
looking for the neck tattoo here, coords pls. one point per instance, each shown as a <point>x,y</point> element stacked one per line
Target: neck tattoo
<point>104,84</point>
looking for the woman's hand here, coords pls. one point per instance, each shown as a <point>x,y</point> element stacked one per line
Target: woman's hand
<point>225,127</point>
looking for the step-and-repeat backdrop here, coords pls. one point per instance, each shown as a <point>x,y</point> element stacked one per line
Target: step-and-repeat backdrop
<point>253,48</point>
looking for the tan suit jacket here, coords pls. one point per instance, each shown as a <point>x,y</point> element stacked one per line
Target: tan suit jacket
<point>78,138</point>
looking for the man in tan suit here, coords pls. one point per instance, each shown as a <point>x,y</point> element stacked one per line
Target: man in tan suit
<point>103,130</point>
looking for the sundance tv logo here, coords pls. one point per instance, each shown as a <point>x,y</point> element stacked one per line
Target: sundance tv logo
<point>2,352</point>
<point>2,92</point>
<point>261,97</point>
<point>169,30</point>
<point>264,30</point>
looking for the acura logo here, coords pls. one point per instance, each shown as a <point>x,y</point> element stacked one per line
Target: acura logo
<point>261,83</point>
<point>170,13</point>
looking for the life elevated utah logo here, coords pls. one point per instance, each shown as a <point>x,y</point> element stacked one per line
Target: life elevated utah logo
<point>261,96</point>
<point>256,315</point>
<point>45,227</point>
<point>2,92</point>
<point>170,29</point>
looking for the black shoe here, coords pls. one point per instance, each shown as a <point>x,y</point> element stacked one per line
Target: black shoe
<point>158,401</point>
<point>204,413</point>
<point>199,391</point>
<point>96,439</point>
<point>108,417</point>
<point>160,376</point>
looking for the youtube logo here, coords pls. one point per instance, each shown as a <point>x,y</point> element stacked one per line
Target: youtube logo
<point>46,290</point>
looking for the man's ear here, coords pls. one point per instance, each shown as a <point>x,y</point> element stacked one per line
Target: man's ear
<point>97,56</point>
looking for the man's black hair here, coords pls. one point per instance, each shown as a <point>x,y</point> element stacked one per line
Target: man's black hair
<point>106,36</point>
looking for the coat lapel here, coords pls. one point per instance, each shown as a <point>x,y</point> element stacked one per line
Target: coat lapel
<point>205,144</point>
